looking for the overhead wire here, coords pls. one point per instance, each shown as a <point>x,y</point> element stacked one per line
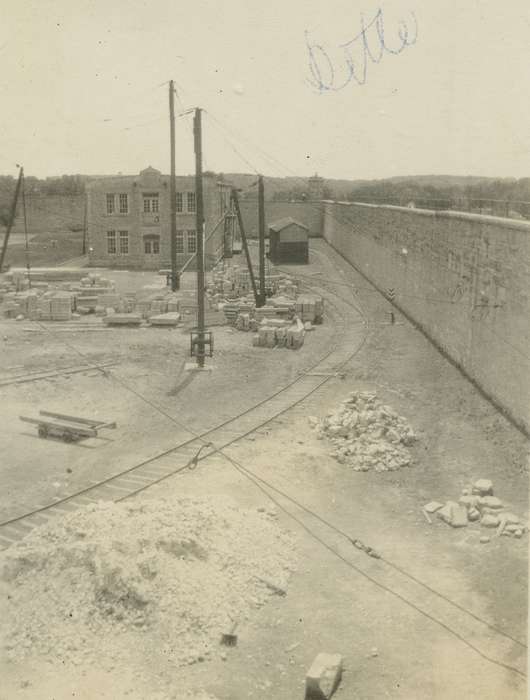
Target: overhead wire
<point>254,478</point>
<point>451,301</point>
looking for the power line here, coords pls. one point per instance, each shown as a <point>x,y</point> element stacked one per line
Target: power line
<point>236,151</point>
<point>254,478</point>
<point>387,589</point>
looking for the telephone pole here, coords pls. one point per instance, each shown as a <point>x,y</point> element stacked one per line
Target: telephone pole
<point>172,191</point>
<point>199,226</point>
<point>261,228</point>
<point>12,215</point>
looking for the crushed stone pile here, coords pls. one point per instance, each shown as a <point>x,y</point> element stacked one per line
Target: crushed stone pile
<point>158,577</point>
<point>367,434</point>
<point>477,504</point>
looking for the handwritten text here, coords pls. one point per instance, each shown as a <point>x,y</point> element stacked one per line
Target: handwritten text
<point>368,46</point>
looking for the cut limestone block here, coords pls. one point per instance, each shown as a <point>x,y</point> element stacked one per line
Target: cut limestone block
<point>491,502</point>
<point>168,319</point>
<point>453,514</point>
<point>483,487</point>
<point>122,320</point>
<point>469,501</point>
<point>489,520</point>
<point>511,519</point>
<point>323,677</point>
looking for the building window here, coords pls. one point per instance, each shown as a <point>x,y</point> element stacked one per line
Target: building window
<point>111,242</point>
<point>191,201</point>
<point>192,242</point>
<point>151,203</point>
<point>110,204</point>
<point>124,242</point>
<point>152,245</point>
<point>179,205</point>
<point>179,242</point>
<point>124,203</point>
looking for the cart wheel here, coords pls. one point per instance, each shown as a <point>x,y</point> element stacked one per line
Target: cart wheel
<point>43,431</point>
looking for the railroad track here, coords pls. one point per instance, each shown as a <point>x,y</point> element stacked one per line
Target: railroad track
<point>36,375</point>
<point>350,337</point>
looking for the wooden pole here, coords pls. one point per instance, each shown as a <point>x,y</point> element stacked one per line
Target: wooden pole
<point>235,200</point>
<point>172,191</point>
<point>12,215</point>
<point>26,239</point>
<point>261,228</point>
<point>199,226</point>
<point>85,223</point>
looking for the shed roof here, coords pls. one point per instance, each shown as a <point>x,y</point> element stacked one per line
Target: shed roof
<point>283,223</point>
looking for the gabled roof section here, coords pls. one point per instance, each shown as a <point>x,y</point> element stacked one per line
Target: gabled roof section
<point>284,223</point>
<point>150,171</point>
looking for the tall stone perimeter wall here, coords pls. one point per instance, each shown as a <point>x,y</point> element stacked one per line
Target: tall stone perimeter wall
<point>464,279</point>
<point>51,213</point>
<point>308,213</point>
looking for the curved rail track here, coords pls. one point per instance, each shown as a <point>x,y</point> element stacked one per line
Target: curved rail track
<point>349,340</point>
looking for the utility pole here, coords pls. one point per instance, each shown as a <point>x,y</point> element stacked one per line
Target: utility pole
<point>26,239</point>
<point>85,223</point>
<point>12,215</point>
<point>235,200</point>
<point>172,191</point>
<point>261,228</point>
<point>199,227</point>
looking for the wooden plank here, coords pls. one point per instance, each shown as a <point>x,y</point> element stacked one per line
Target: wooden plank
<point>66,427</point>
<point>74,419</point>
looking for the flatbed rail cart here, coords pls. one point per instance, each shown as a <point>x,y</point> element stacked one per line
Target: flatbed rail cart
<point>67,428</point>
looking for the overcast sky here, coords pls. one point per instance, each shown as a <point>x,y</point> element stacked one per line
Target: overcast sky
<point>83,86</point>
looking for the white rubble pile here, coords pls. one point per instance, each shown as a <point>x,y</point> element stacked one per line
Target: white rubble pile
<point>160,576</point>
<point>367,434</point>
<point>477,504</point>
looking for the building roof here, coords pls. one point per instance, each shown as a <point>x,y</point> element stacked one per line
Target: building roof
<point>284,223</point>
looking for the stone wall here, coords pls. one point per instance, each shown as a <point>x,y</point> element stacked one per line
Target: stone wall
<point>464,279</point>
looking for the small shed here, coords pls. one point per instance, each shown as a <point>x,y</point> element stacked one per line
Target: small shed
<point>288,241</point>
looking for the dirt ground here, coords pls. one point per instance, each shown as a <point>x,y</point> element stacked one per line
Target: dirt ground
<point>339,600</point>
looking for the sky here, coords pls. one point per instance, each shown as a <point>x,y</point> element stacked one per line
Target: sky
<point>288,87</point>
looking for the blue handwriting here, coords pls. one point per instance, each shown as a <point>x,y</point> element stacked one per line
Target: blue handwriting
<point>368,46</point>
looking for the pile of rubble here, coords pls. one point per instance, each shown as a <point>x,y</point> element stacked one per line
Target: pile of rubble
<point>367,434</point>
<point>477,504</point>
<point>163,574</point>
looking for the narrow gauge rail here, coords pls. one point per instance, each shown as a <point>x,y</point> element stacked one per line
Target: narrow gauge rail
<point>151,471</point>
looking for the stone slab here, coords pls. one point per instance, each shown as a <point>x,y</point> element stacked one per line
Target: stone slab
<point>323,676</point>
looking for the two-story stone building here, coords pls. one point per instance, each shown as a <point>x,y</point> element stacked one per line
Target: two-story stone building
<point>128,220</point>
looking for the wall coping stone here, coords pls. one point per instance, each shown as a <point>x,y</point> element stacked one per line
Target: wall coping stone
<point>459,215</point>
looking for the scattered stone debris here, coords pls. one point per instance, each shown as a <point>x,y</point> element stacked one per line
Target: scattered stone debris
<point>113,577</point>
<point>367,434</point>
<point>481,507</point>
